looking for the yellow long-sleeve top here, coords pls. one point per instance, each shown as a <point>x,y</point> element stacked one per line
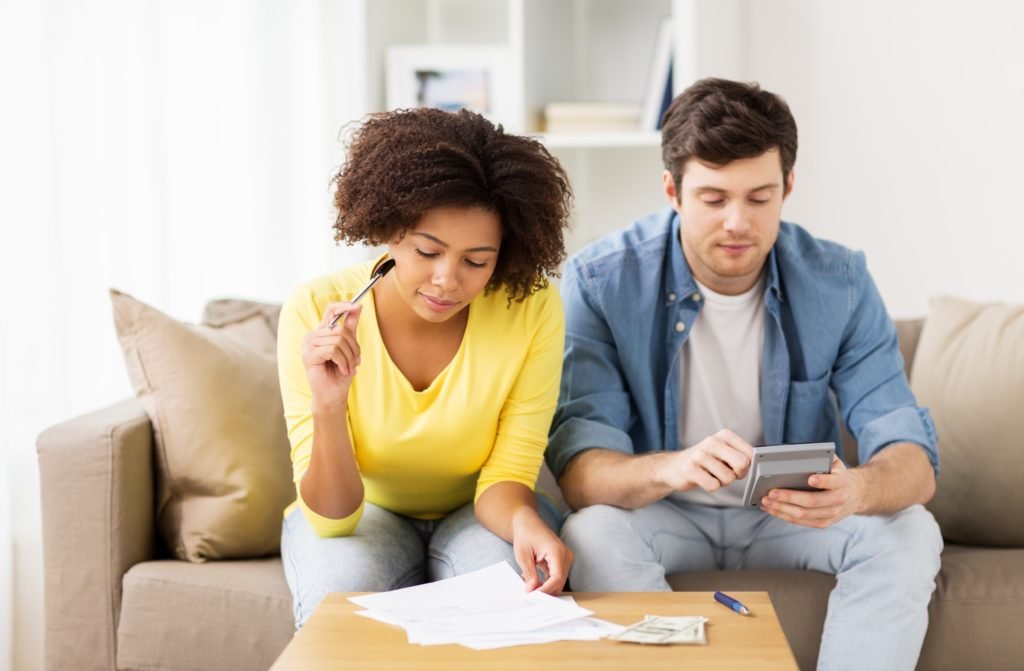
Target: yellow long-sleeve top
<point>484,419</point>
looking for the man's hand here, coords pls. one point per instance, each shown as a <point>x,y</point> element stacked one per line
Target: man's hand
<point>841,496</point>
<point>536,546</point>
<point>711,464</point>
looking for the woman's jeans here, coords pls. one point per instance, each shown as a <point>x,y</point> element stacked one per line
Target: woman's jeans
<point>389,551</point>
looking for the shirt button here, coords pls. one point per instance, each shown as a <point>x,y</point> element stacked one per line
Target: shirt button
<point>672,298</point>
<point>695,297</point>
<point>680,327</point>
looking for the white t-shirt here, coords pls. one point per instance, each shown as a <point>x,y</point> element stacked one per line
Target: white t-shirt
<point>721,379</point>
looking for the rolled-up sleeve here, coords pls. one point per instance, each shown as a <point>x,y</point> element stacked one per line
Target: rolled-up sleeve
<point>594,405</point>
<point>869,380</point>
<point>910,425</point>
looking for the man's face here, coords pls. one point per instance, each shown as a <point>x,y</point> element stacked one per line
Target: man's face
<point>730,218</point>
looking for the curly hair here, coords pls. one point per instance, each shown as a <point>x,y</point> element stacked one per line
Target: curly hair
<point>718,121</point>
<point>404,163</point>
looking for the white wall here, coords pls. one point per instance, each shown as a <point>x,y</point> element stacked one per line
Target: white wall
<point>911,139</point>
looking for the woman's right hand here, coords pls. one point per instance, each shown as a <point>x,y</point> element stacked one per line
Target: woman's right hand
<point>331,356</point>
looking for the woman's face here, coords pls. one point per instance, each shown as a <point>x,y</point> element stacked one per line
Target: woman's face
<point>445,260</point>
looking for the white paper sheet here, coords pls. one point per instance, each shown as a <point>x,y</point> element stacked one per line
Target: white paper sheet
<point>583,629</point>
<point>486,609</point>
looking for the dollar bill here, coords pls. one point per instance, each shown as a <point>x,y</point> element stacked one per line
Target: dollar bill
<point>660,630</point>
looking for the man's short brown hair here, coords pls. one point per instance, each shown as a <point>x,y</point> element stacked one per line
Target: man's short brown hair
<point>717,121</point>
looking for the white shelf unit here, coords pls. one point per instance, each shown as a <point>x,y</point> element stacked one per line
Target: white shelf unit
<point>600,139</point>
<point>559,51</point>
<point>585,50</point>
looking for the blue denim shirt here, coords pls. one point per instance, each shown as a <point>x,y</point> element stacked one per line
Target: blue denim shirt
<point>630,303</point>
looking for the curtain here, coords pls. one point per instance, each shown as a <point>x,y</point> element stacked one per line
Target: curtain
<point>178,151</point>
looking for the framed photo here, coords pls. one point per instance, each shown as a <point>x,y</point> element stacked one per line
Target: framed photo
<point>451,78</point>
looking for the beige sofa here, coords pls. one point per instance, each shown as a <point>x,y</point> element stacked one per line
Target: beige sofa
<point>115,599</point>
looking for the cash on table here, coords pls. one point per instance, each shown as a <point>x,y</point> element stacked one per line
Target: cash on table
<point>661,630</point>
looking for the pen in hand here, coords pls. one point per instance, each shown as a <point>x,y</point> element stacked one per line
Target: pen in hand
<point>731,603</point>
<point>381,271</point>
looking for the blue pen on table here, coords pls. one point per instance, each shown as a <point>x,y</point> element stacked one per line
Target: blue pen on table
<point>731,603</point>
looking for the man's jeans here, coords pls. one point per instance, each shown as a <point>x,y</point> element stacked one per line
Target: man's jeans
<point>389,551</point>
<point>885,566</point>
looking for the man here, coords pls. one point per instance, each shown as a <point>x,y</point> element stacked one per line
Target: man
<point>711,327</point>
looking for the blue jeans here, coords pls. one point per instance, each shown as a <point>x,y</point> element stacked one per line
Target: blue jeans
<point>389,551</point>
<point>885,566</point>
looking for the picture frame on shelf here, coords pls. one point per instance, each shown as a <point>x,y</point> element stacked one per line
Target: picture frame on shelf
<point>446,77</point>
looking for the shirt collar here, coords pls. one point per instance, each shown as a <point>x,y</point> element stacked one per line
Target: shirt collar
<point>678,279</point>
<point>774,286</point>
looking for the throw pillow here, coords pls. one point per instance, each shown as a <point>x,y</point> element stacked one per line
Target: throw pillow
<point>223,471</point>
<point>225,311</point>
<point>969,370</point>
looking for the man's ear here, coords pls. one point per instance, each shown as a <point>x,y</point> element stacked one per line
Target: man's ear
<point>789,182</point>
<point>668,184</point>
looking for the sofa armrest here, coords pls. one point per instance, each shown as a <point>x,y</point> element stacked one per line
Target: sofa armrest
<point>96,485</point>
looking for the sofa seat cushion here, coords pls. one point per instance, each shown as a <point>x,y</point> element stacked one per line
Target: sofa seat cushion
<point>983,574</point>
<point>217,615</point>
<point>975,616</point>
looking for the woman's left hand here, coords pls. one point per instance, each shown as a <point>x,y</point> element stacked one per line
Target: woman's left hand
<point>536,546</point>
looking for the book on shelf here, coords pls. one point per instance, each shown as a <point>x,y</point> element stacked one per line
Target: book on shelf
<point>658,91</point>
<point>590,117</point>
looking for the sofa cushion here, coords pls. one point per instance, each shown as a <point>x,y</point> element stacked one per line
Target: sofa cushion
<point>969,370</point>
<point>219,615</point>
<point>223,472</point>
<point>225,311</point>
<point>975,614</point>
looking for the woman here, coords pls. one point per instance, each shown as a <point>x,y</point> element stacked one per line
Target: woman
<point>418,423</point>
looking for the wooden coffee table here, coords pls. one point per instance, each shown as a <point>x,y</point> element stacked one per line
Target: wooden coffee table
<point>334,637</point>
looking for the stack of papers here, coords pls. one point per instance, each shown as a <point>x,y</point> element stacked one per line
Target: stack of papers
<point>483,610</point>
